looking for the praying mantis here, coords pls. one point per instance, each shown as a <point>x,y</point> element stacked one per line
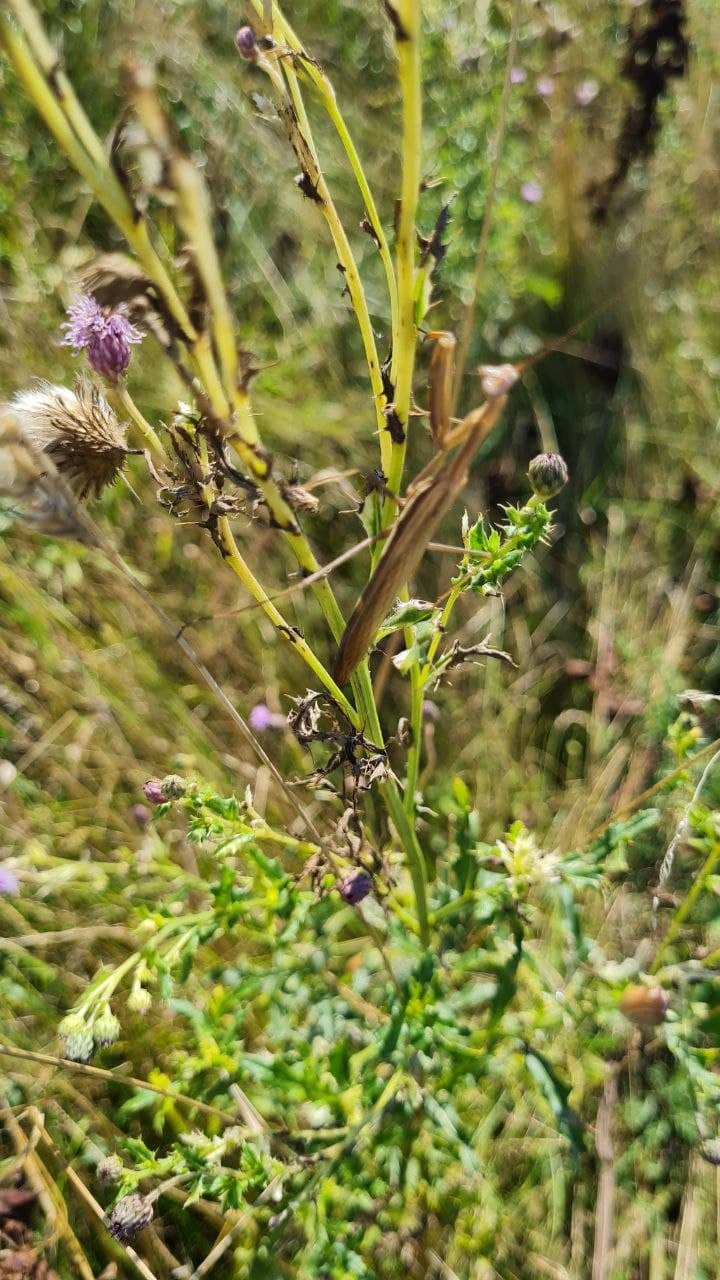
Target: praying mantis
<point>430,495</point>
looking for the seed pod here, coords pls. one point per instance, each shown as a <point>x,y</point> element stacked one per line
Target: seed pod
<point>548,474</point>
<point>645,1006</point>
<point>130,1215</point>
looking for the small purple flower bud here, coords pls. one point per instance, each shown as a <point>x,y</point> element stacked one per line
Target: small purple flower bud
<point>8,881</point>
<point>532,192</point>
<point>548,474</point>
<point>587,92</point>
<point>153,791</point>
<point>246,43</point>
<point>356,886</point>
<point>545,86</point>
<point>140,814</point>
<point>517,75</point>
<point>130,1215</point>
<point>262,718</point>
<point>105,333</point>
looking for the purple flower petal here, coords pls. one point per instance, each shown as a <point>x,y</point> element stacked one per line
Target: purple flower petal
<point>8,881</point>
<point>106,335</point>
<point>261,718</point>
<point>532,192</point>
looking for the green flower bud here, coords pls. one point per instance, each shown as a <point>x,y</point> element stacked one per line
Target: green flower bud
<point>173,787</point>
<point>548,474</point>
<point>79,1046</point>
<point>139,1000</point>
<point>110,1169</point>
<point>130,1215</point>
<point>71,1025</point>
<point>106,1028</point>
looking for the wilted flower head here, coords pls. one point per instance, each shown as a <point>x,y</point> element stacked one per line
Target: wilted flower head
<point>105,333</point>
<point>130,1215</point>
<point>77,429</point>
<point>356,886</point>
<point>548,474</point>
<point>8,881</point>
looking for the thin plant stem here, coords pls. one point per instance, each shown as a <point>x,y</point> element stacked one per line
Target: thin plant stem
<point>404,339</point>
<point>120,393</point>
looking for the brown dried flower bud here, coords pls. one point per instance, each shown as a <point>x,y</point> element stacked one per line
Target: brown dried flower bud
<point>645,1006</point>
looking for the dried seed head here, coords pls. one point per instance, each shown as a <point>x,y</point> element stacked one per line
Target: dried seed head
<point>130,1215</point>
<point>645,1006</point>
<point>548,474</point>
<point>110,1169</point>
<point>356,886</point>
<point>77,429</point>
<point>246,43</point>
<point>497,379</point>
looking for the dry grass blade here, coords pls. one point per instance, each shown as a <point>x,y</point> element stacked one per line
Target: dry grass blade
<point>433,494</point>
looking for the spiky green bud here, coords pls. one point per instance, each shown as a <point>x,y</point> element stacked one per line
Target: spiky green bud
<point>548,474</point>
<point>106,1028</point>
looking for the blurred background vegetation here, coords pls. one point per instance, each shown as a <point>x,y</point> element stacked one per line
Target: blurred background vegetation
<point>610,627</point>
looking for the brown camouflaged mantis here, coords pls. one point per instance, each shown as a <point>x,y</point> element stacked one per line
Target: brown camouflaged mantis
<point>429,497</point>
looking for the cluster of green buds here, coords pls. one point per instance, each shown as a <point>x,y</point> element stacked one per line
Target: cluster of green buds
<point>83,1032</point>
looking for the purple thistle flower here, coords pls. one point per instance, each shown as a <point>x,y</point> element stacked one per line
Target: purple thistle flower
<point>106,334</point>
<point>153,791</point>
<point>246,43</point>
<point>545,86</point>
<point>262,718</point>
<point>8,881</point>
<point>532,192</point>
<point>517,75</point>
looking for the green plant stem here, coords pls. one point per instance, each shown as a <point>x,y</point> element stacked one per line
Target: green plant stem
<point>687,904</point>
<point>120,393</point>
<point>404,339</point>
<point>298,126</point>
<point>326,93</point>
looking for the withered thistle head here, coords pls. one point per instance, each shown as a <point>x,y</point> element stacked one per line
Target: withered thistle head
<point>129,1217</point>
<point>77,429</point>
